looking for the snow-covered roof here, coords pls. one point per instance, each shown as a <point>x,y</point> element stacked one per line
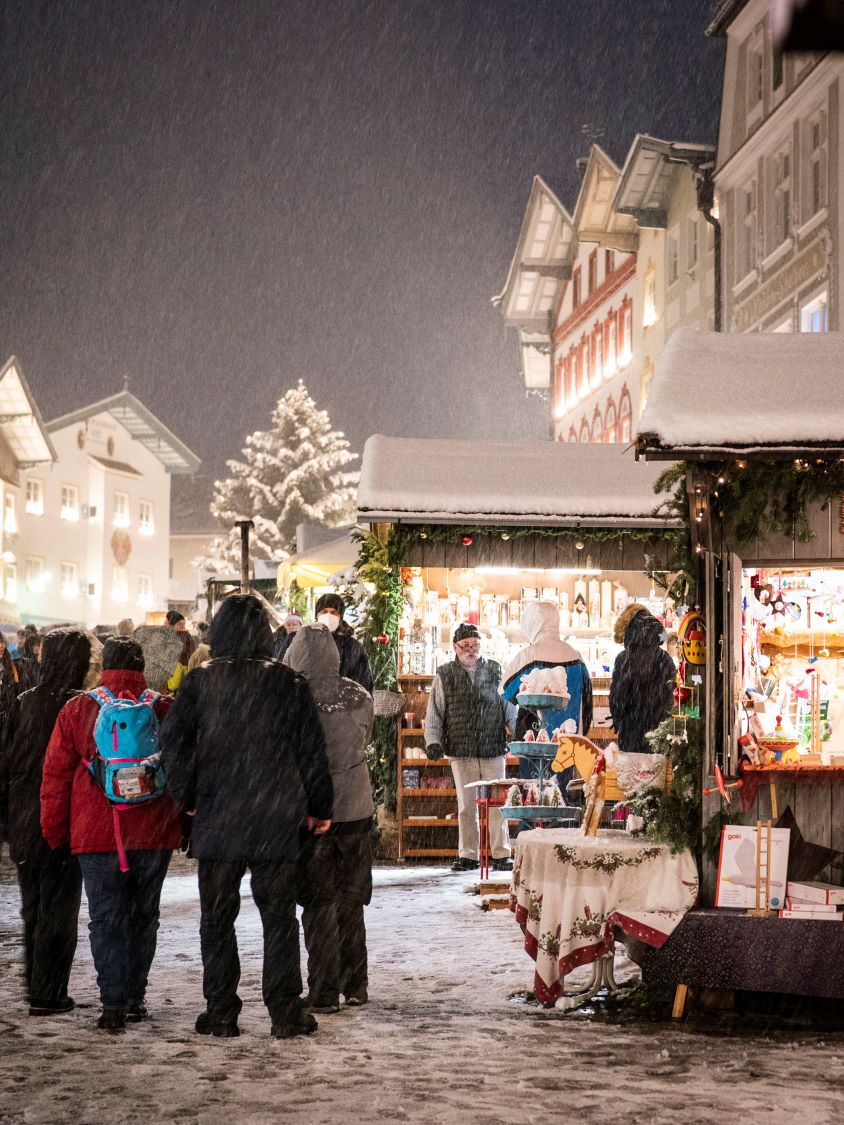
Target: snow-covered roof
<point>142,424</point>
<point>765,393</point>
<point>415,480</point>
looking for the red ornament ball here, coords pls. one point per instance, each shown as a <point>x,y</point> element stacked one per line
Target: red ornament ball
<point>383,639</point>
<point>467,540</point>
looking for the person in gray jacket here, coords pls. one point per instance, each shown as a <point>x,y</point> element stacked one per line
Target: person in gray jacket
<point>334,872</point>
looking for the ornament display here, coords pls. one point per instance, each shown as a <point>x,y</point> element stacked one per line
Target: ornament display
<point>691,634</point>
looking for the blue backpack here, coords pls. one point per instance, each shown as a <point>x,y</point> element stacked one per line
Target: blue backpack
<point>127,763</point>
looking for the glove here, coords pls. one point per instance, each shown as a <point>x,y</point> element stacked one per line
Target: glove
<point>434,751</point>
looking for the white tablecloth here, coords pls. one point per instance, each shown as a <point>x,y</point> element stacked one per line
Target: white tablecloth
<point>569,890</point>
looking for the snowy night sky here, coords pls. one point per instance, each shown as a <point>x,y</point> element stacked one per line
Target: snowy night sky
<point>217,198</point>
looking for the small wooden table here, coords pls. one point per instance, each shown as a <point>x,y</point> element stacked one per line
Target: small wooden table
<point>570,890</point>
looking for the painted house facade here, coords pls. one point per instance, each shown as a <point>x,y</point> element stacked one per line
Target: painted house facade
<point>93,527</point>
<point>778,179</point>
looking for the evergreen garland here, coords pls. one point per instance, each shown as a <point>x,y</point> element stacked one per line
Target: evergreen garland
<point>756,499</point>
<point>379,570</point>
<point>405,535</point>
<point>679,582</point>
<point>672,816</point>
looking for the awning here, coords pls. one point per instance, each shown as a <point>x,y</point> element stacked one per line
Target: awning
<point>539,484</point>
<point>769,394</point>
<point>316,567</point>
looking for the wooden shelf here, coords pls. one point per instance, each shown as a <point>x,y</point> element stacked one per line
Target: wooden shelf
<point>429,792</point>
<point>601,734</point>
<point>424,762</point>
<point>411,732</point>
<point>430,822</point>
<point>450,853</point>
<point>415,679</point>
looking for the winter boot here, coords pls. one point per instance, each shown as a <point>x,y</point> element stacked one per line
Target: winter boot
<point>113,1020</point>
<point>209,1024</point>
<point>323,1005</point>
<point>136,1013</point>
<point>51,1007</point>
<point>357,998</point>
<point>461,864</point>
<point>303,1023</point>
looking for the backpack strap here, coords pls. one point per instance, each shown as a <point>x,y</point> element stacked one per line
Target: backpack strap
<point>101,696</point>
<point>149,696</point>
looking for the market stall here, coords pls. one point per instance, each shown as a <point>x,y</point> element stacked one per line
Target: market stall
<point>764,487</point>
<point>477,531</point>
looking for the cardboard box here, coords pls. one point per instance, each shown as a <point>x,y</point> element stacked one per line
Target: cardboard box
<point>817,892</point>
<point>813,915</point>
<point>737,867</point>
<point>802,907</point>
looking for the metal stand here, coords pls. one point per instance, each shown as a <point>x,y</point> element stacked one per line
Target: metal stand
<point>602,977</point>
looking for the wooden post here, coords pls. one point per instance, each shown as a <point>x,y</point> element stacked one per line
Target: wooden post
<point>680,996</point>
<point>245,527</point>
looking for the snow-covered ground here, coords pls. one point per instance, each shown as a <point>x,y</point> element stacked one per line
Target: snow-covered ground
<point>439,1042</point>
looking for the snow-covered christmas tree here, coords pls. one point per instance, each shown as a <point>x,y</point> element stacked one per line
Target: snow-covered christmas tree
<point>293,473</point>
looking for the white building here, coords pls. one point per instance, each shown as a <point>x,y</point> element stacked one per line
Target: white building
<point>659,189</point>
<point>24,445</point>
<point>777,179</point>
<point>93,529</point>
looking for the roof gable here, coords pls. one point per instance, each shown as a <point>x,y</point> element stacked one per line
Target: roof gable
<point>539,264</point>
<point>143,426</point>
<point>649,175</point>
<point>20,419</point>
<point>594,217</point>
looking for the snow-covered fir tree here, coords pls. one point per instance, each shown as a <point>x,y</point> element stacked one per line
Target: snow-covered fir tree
<point>296,472</point>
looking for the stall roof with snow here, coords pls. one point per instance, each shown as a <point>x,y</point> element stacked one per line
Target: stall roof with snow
<point>762,394</point>
<point>541,484</point>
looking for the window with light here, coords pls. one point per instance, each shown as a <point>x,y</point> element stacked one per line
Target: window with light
<point>121,509</point>
<point>146,518</point>
<point>70,503</point>
<point>34,497</point>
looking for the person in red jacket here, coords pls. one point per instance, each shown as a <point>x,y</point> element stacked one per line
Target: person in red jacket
<point>123,907</point>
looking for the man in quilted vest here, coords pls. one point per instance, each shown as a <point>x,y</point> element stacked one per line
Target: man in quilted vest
<point>465,722</point>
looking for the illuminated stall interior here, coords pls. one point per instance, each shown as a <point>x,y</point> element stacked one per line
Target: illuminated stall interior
<point>793,661</point>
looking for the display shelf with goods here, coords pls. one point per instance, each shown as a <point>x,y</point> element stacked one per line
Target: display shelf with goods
<point>426,800</point>
<point>764,491</point>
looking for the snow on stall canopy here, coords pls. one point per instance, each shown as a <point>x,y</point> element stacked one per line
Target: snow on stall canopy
<point>732,393</point>
<point>415,480</point>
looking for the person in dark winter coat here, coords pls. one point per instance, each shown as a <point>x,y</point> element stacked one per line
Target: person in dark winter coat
<point>9,682</point>
<point>642,686</point>
<point>465,721</point>
<point>26,665</point>
<point>354,664</point>
<point>123,906</point>
<point>334,875</point>
<point>243,750</point>
<point>50,881</point>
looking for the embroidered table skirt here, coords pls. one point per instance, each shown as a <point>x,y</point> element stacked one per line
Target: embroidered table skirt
<point>569,890</point>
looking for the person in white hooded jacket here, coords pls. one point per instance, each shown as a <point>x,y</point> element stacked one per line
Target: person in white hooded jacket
<point>334,871</point>
<point>541,627</point>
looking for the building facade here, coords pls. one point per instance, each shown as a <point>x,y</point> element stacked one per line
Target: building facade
<point>659,188</point>
<point>25,446</point>
<point>778,179</point>
<point>92,539</point>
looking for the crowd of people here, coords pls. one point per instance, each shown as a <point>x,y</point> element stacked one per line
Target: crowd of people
<point>265,767</point>
<point>255,759</point>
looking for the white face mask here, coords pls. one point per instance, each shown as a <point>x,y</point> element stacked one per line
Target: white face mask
<point>330,620</point>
